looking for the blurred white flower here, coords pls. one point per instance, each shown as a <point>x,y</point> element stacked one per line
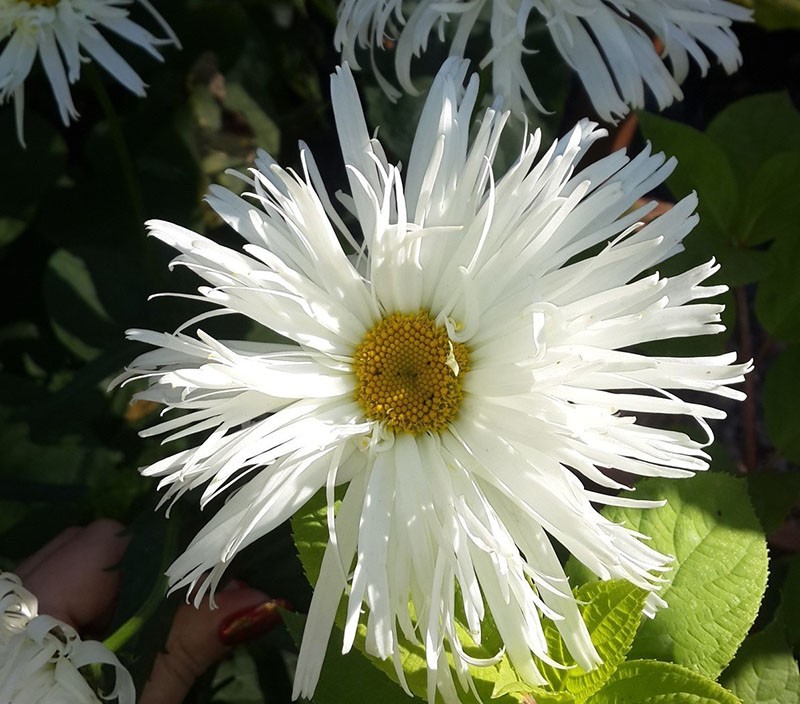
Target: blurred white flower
<point>607,42</point>
<point>41,657</point>
<point>59,31</point>
<point>460,364</point>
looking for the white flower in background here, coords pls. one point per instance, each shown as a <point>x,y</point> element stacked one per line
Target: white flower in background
<point>607,42</point>
<point>60,31</point>
<point>41,657</point>
<point>461,369</point>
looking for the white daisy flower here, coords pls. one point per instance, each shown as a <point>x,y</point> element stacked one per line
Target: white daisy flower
<point>461,364</point>
<point>607,42</point>
<point>59,31</point>
<point>41,657</point>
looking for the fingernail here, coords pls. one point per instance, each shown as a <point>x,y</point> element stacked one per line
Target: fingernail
<point>251,622</point>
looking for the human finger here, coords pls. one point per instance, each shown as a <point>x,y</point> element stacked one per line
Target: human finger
<point>199,637</point>
<point>72,579</point>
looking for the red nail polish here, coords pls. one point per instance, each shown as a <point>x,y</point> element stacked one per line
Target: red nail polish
<point>251,622</point>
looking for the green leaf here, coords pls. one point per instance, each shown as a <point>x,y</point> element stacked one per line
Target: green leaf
<point>789,610</point>
<point>612,611</point>
<point>764,671</point>
<point>342,675</point>
<point>781,411</point>
<point>651,682</point>
<point>778,296</point>
<point>545,696</point>
<point>719,574</point>
<point>752,130</point>
<point>92,294</point>
<point>702,167</point>
<point>773,495</point>
<point>777,14</point>
<point>740,266</point>
<point>771,208</point>
<point>79,317</point>
<point>10,229</point>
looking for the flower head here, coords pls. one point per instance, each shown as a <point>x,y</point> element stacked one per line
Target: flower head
<point>58,31</point>
<point>607,42</point>
<point>41,657</point>
<point>460,364</point>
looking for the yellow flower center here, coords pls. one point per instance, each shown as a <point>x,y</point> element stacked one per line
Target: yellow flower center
<point>409,373</point>
<point>44,3</point>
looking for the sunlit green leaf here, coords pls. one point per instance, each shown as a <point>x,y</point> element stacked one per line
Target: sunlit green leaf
<point>651,682</point>
<point>612,612</point>
<point>719,574</point>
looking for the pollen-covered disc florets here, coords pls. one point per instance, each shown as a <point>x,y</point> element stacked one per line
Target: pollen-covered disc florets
<point>409,373</point>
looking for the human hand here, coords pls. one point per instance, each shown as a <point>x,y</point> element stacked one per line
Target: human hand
<point>72,580</point>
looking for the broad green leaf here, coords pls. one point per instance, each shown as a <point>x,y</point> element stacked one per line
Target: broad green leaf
<point>789,609</point>
<point>702,167</point>
<point>344,675</point>
<point>781,410</point>
<point>771,208</point>
<point>92,294</point>
<point>546,696</point>
<point>79,316</point>
<point>778,296</point>
<point>719,575</point>
<point>612,612</point>
<point>740,265</point>
<point>764,670</point>
<point>651,682</point>
<point>754,129</point>
<point>773,495</point>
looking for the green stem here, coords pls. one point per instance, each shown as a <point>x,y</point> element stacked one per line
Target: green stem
<point>154,599</point>
<point>131,627</point>
<point>120,145</point>
<point>148,260</point>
